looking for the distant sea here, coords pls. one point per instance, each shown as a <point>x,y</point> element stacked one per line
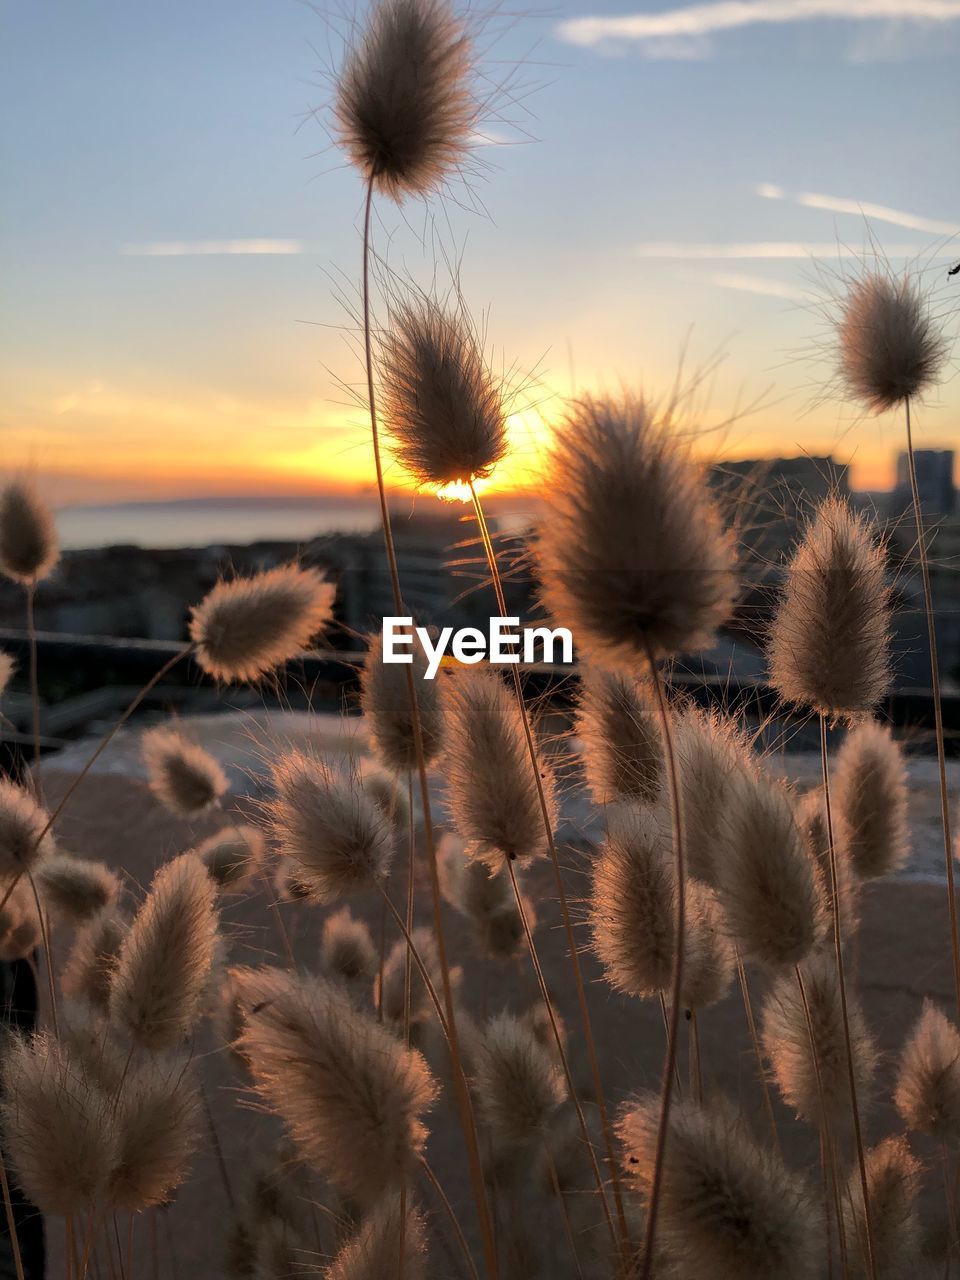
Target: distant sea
<point>203,522</point>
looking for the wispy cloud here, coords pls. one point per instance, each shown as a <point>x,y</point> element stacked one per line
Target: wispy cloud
<point>697,20</point>
<point>861,209</point>
<point>755,284</point>
<point>202,248</point>
<point>782,250</point>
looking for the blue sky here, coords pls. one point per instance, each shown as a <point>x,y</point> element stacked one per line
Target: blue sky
<point>659,187</point>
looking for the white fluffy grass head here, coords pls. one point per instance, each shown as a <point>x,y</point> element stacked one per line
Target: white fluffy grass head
<point>728,1206</point>
<point>491,785</point>
<point>618,724</point>
<point>711,751</point>
<point>928,1082</point>
<point>405,109</point>
<point>485,897</point>
<point>159,1123</point>
<point>90,966</point>
<point>390,994</point>
<point>829,646</point>
<point>233,856</point>
<point>709,956</point>
<point>518,1085</point>
<point>336,834</point>
<point>893,1184</point>
<point>442,405</point>
<point>768,883</point>
<point>29,549</point>
<point>247,627</point>
<point>812,820</point>
<point>163,969</point>
<point>385,700</point>
<point>786,1038</point>
<point>891,347</point>
<point>23,839</point>
<point>351,1095</point>
<point>870,801</point>
<point>76,889</point>
<point>632,553</point>
<point>346,947</point>
<point>184,777</point>
<point>374,1250</point>
<point>58,1130</point>
<point>632,905</point>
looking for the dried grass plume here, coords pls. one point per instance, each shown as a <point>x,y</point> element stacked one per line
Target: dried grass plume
<point>928,1082</point>
<point>29,549</point>
<point>870,802</point>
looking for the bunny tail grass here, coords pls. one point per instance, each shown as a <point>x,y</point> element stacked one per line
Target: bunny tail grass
<point>572,948</point>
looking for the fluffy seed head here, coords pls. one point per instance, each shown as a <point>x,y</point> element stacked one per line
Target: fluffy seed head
<point>812,820</point>
<point>786,1038</point>
<point>728,1207</point>
<point>491,786</point>
<point>632,551</point>
<point>484,896</point>
<point>374,1252</point>
<point>890,346</point>
<point>518,1086</point>
<point>619,727</point>
<point>388,792</point>
<point>7,668</point>
<point>441,403</point>
<point>405,110</point>
<point>184,777</point>
<point>21,939</point>
<point>232,856</point>
<point>384,698</point>
<point>165,959</point>
<point>29,549</point>
<point>57,1128</point>
<point>249,626</point>
<point>335,832</point>
<point>870,790</point>
<point>830,639</point>
<point>928,1082</point>
<point>21,822</point>
<point>389,995</point>
<point>711,751</point>
<point>633,905</point>
<point>893,1184</point>
<point>346,947</point>
<point>350,1094</point>
<point>709,957</point>
<point>76,889</point>
<point>768,884</point>
<point>159,1126</point>
<point>88,973</point>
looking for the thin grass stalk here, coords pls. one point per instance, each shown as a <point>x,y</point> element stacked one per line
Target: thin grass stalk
<point>448,1210</point>
<point>407,996</point>
<point>758,1054</point>
<point>594,1062</point>
<point>824,1136</point>
<point>695,1064</point>
<point>116,1236</point>
<point>11,1218</point>
<point>464,1105</point>
<point>48,953</point>
<point>951,1217</point>
<point>217,1150</point>
<point>937,708</point>
<point>383,958</point>
<point>562,1053</point>
<point>558,1192</point>
<point>31,592</point>
<point>274,905</point>
<point>825,1180</point>
<point>69,1247</point>
<point>412,950</point>
<point>673,1033</point>
<point>666,1035</point>
<point>841,982</point>
<point>154,1245</point>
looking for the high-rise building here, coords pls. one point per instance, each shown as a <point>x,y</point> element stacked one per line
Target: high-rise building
<point>935,485</point>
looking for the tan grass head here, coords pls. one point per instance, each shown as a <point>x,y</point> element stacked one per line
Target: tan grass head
<point>351,1095</point>
<point>405,110</point>
<point>29,548</point>
<point>728,1206</point>
<point>491,787</point>
<point>485,897</point>
<point>891,347</point>
<point>159,1121</point>
<point>711,752</point>
<point>385,700</point>
<point>786,1038</point>
<point>829,646</point>
<point>390,994</point>
<point>91,964</point>
<point>247,627</point>
<point>632,553</point>
<point>76,889</point>
<point>518,1084</point>
<point>893,1185</point>
<point>928,1081</point>
<point>870,801</point>
<point>184,777</point>
<point>442,405</point>
<point>709,956</point>
<point>233,856</point>
<point>335,833</point>
<point>768,883</point>
<point>812,820</point>
<point>384,1243</point>
<point>23,839</point>
<point>163,969</point>
<point>618,724</point>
